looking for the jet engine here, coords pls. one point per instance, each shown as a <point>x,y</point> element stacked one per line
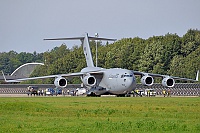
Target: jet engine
<point>168,82</point>
<point>89,80</point>
<point>60,82</point>
<point>147,80</point>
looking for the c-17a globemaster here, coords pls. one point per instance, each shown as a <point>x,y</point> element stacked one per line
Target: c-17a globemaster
<point>106,81</point>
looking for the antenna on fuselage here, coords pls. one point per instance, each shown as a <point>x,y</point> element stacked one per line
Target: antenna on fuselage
<point>96,35</point>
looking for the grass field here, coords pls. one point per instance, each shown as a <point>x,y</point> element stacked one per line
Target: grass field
<point>95,114</point>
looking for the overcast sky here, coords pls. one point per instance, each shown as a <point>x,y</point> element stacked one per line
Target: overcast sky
<point>25,23</point>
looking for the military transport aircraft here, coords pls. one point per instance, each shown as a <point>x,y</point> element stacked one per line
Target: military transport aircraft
<point>106,81</point>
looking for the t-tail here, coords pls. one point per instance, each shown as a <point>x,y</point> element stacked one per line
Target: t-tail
<point>87,51</point>
<point>86,46</point>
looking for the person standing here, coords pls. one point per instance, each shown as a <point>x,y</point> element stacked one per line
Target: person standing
<point>164,93</point>
<point>168,93</point>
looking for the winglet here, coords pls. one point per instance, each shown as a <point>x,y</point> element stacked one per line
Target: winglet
<point>197,76</point>
<point>4,76</point>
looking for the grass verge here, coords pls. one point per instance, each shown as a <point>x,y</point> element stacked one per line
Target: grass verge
<point>89,114</point>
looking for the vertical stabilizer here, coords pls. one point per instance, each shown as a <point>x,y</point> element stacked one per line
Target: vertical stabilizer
<point>86,46</point>
<point>87,51</point>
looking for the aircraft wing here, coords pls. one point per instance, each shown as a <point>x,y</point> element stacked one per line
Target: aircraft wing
<point>78,74</point>
<point>164,76</point>
<point>43,77</point>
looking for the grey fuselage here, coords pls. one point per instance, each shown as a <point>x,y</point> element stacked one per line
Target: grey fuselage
<point>114,80</point>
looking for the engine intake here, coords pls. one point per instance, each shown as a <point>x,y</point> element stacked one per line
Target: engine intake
<point>89,80</point>
<point>147,80</point>
<point>168,82</point>
<point>60,82</point>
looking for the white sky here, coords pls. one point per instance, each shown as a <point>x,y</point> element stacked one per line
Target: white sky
<point>25,23</point>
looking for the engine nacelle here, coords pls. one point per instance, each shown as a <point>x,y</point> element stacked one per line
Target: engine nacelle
<point>147,80</point>
<point>168,82</point>
<point>60,82</point>
<point>89,80</point>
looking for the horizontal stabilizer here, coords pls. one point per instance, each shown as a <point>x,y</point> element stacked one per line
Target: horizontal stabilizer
<point>98,38</point>
<point>70,38</point>
<point>81,38</point>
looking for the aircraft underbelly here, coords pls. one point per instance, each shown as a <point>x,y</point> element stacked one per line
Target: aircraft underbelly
<point>117,85</point>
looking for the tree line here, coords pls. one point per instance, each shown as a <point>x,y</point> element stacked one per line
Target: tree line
<point>168,54</point>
